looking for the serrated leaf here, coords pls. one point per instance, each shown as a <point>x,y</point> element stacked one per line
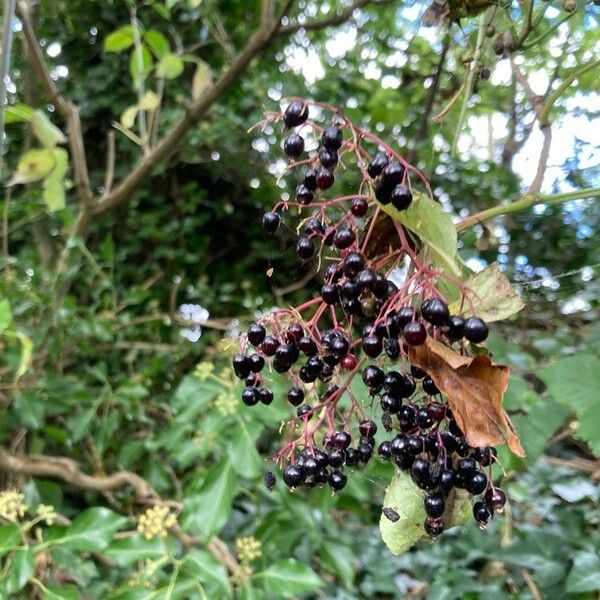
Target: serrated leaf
<point>289,577</point>
<point>434,228</point>
<point>5,315</point>
<point>119,40</point>
<point>169,66</point>
<point>202,80</point>
<point>17,113</point>
<point>54,185</point>
<point>404,497</point>
<point>574,382</point>
<point>34,165</point>
<point>48,134</point>
<point>157,42</point>
<point>493,297</point>
<point>585,574</point>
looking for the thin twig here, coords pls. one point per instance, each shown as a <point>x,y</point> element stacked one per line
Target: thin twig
<point>110,161</point>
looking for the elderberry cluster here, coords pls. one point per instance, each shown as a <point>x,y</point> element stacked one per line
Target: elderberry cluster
<point>361,322</point>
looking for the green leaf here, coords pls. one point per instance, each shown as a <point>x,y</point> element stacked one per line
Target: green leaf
<point>340,560</point>
<point>22,567</point>
<point>119,40</point>
<point>5,315</point>
<point>427,219</point>
<point>493,297</point>
<point>208,506</point>
<point>289,577</point>
<point>91,531</point>
<point>202,79</point>
<point>26,354</point>
<point>34,165</point>
<point>54,184</point>
<point>133,549</point>
<point>404,497</point>
<point>206,568</point>
<point>585,574</point>
<point>157,42</point>
<point>17,113</point>
<point>48,134</point>
<point>574,382</point>
<point>169,67</point>
<point>10,537</point>
<point>241,447</point>
<point>67,592</point>
<point>134,64</point>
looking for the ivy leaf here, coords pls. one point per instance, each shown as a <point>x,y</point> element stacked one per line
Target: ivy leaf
<point>494,298</point>
<point>427,220</point>
<point>119,40</point>
<point>585,574</point>
<point>45,131</point>
<point>407,500</point>
<point>206,568</point>
<point>54,184</point>
<point>135,548</point>
<point>67,592</point>
<point>10,537</point>
<point>241,447</point>
<point>475,389</point>
<point>22,567</point>
<point>289,577</point>
<point>169,67</point>
<point>574,382</point>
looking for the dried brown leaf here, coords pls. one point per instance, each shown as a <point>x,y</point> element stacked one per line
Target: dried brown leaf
<point>475,389</point>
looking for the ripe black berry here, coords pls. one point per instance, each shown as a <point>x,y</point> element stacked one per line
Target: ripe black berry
<point>495,498</point>
<point>265,395</point>
<point>477,483</point>
<point>250,396</point>
<point>285,354</point>
<point>366,280</point>
<point>392,348</point>
<point>344,238</point>
<point>393,174</point>
<point>401,197</point>
<point>295,114</point>
<point>353,263</point>
<point>417,373</point>
<point>337,480</point>
<point>342,439</point>
<point>295,396</point>
<point>305,248</point>
<point>257,362</point>
<point>332,138</point>
<point>294,333</point>
<point>455,328</point>
<point>337,458</point>
<point>482,514</point>
<point>269,345</point>
<point>435,505</point>
<point>435,311</point>
<point>373,378</point>
<point>308,346</point>
<point>372,346</point>
<point>314,227</point>
<point>256,334</point>
<point>407,415</point>
<point>390,404</point>
<point>293,145</point>
<point>414,333</point>
<point>310,180</point>
<point>325,179</point>
<point>447,480</point>
<point>241,366</point>
<point>476,331</point>
<point>304,195</point>
<point>385,450</point>
<point>270,480</point>
<point>424,420</point>
<point>359,207</point>
<point>328,158</point>
<point>399,384</point>
<point>367,428</point>
<point>304,411</point>
<point>330,293</point>
<point>270,222</point>
<point>292,476</point>
<point>429,386</point>
<point>378,164</point>
<point>405,315</point>
<point>433,527</point>
<point>466,467</point>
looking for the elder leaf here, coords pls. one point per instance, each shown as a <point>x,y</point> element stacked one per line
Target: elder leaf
<point>475,389</point>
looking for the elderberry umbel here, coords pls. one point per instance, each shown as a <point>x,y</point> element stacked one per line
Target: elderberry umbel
<point>378,301</point>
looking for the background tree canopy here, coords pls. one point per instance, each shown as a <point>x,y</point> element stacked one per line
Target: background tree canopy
<point>133,187</point>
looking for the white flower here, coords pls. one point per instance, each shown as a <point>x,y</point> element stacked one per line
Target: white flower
<point>194,312</point>
<point>192,334</point>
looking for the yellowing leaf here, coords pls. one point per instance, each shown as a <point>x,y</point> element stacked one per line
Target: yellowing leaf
<point>493,297</point>
<point>34,165</point>
<point>406,500</point>
<point>119,40</point>
<point>54,184</point>
<point>149,101</point>
<point>169,67</point>
<point>18,112</point>
<point>201,81</point>
<point>128,116</point>
<point>48,134</point>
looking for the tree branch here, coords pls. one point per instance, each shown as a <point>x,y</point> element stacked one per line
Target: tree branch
<point>68,111</point>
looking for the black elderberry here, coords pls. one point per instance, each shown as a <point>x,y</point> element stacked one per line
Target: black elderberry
<point>308,346</point>
<point>414,333</point>
<point>417,373</point>
<point>436,411</point>
<point>383,192</point>
<point>435,505</point>
<point>304,411</point>
<point>353,264</point>
<point>398,444</point>
<point>285,354</point>
<point>392,325</point>
<point>269,345</point>
<point>342,439</point>
<point>435,311</point>
<point>433,527</point>
<point>330,392</point>
<point>344,238</point>
<point>337,458</point>
<point>420,471</point>
<point>393,174</point>
<point>455,329</point>
<point>401,197</point>
<point>340,346</point>
<point>305,248</point>
<point>325,179</point>
<point>495,498</point>
<point>407,415</point>
<point>270,222</point>
<point>326,373</point>
<point>294,333</point>
<point>366,280</point>
<point>373,377</point>
<point>295,114</point>
<point>352,457</point>
<point>332,273</point>
<point>256,334</point>
<point>281,367</point>
<point>405,315</point>
<point>384,450</point>
<point>429,386</point>
<point>310,180</point>
<point>337,480</point>
<point>310,465</point>
<point>332,138</point>
<point>304,195</point>
<point>372,346</point>
<point>270,480</point>
<point>292,475</point>
<point>314,227</point>
<point>390,404</point>
<point>241,366</point>
<point>293,145</point>
<point>482,514</point>
<point>350,291</point>
<point>295,396</point>
<point>447,480</point>
<point>485,456</point>
<point>414,445</point>
<point>322,476</point>
<point>378,164</point>
<point>265,395</point>
<point>476,331</point>
<point>424,420</point>
<point>257,362</point>
<point>477,483</point>
<point>252,380</point>
<point>328,158</point>
<point>404,461</point>
<point>392,348</point>
<point>365,450</point>
<point>250,396</point>
<point>359,207</point>
<point>466,467</point>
